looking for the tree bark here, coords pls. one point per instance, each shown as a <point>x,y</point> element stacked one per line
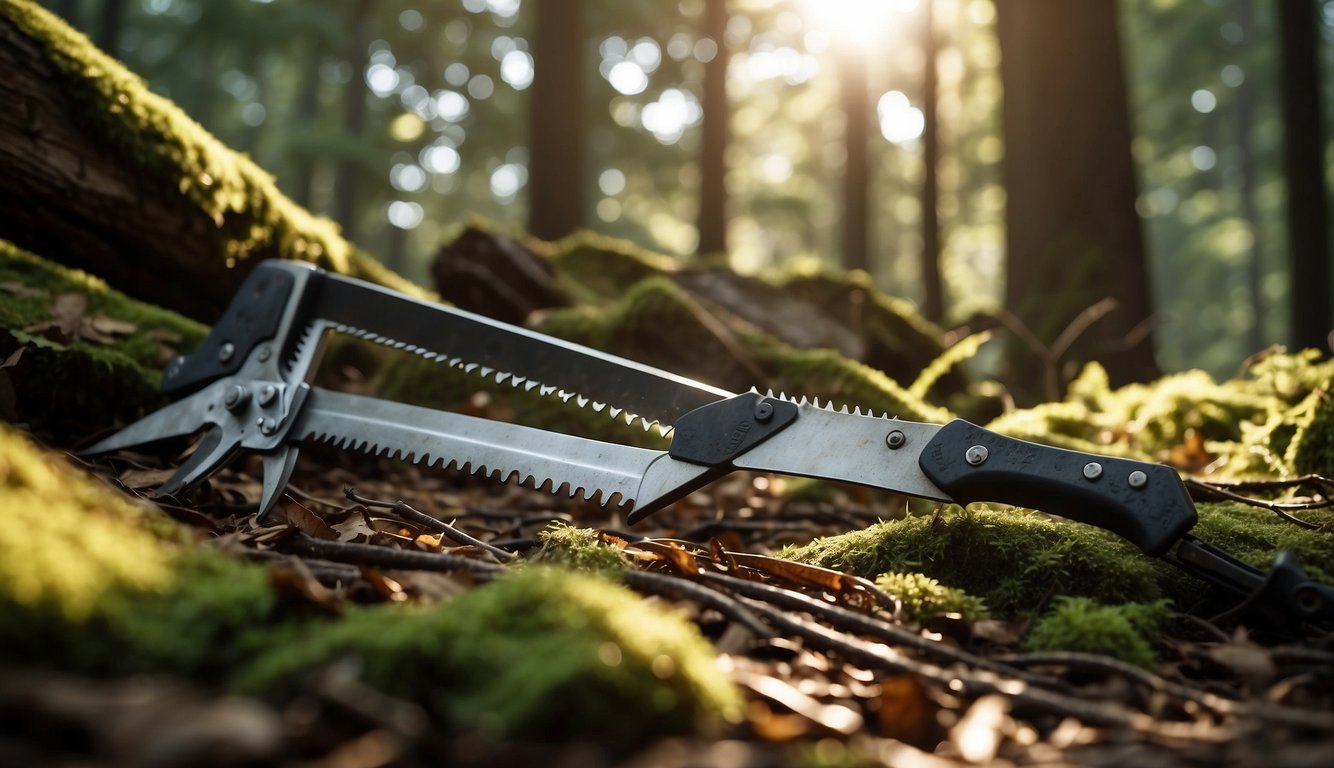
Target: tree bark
<point>67,196</point>
<point>109,24</point>
<point>1073,236</point>
<point>933,302</point>
<point>556,127</point>
<point>856,176</point>
<point>347,177</point>
<point>712,220</point>
<point>1304,164</point>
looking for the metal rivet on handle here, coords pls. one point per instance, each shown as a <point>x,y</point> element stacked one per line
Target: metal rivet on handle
<point>1137,479</point>
<point>265,353</point>
<point>975,455</point>
<point>226,351</point>
<point>235,397</point>
<point>267,425</point>
<point>764,411</point>
<point>895,439</point>
<point>1092,470</point>
<point>267,393</point>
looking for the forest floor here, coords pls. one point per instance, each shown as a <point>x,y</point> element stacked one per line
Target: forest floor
<point>829,676</point>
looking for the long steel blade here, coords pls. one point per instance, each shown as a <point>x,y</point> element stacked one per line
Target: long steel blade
<point>857,449</point>
<point>559,463</point>
<point>446,333</point>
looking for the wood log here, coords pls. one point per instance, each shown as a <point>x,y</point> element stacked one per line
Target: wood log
<point>97,172</point>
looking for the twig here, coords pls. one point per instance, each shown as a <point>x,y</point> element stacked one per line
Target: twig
<point>406,512</point>
<point>851,621</point>
<point>385,557</point>
<point>1280,509</point>
<point>675,586</point>
<point>1266,711</point>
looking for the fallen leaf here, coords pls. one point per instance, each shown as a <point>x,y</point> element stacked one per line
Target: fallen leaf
<point>309,523</point>
<point>293,579</point>
<point>838,718</point>
<point>386,587</point>
<point>139,479</point>
<point>112,326</point>
<point>978,733</point>
<point>907,713</point>
<point>20,290</point>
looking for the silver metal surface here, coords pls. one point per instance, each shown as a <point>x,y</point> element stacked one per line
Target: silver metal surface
<point>560,463</point>
<point>1137,479</point>
<point>841,446</point>
<point>976,455</point>
<point>1092,470</point>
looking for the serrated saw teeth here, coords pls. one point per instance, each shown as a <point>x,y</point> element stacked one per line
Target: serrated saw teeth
<point>305,350</point>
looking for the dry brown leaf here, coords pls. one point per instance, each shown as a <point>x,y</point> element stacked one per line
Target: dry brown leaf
<point>139,479</point>
<point>907,713</point>
<point>386,587</point>
<point>300,517</point>
<point>292,579</point>
<point>20,290</point>
<point>838,718</point>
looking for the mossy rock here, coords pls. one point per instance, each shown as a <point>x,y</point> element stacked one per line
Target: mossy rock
<point>92,582</point>
<point>1016,561</point>
<point>594,269</point>
<point>1313,444</point>
<point>1126,632</point>
<point>72,386</point>
<point>167,149</point>
<point>540,654</point>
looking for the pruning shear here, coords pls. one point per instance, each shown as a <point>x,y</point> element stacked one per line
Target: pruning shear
<point>247,389</point>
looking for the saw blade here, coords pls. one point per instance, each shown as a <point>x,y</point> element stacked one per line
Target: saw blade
<point>505,352</point>
<point>573,466</point>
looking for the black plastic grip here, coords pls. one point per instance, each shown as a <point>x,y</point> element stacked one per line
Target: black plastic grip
<point>252,317</point>
<point>975,464</point>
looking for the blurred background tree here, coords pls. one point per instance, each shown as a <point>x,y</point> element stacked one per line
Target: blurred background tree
<point>867,133</point>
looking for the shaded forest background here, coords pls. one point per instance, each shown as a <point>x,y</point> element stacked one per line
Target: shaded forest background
<point>999,164</point>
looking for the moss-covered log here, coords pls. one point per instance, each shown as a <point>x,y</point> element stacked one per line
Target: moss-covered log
<point>99,173</point>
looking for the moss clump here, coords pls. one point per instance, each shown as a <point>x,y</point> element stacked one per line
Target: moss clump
<point>539,654</point>
<point>1015,561</point>
<point>92,582</point>
<point>1256,536</point>
<point>1078,624</point>
<point>71,387</point>
<point>923,596</point>
<point>1313,444</point>
<point>163,144</point>
<point>582,549</point>
<point>595,269</point>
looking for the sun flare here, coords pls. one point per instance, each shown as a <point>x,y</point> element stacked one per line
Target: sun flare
<point>860,22</point>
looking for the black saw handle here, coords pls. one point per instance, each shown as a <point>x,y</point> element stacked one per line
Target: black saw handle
<point>1146,504</point>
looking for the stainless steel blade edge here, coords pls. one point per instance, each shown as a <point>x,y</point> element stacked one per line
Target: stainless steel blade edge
<point>835,445</point>
<point>581,467</point>
<point>450,335</point>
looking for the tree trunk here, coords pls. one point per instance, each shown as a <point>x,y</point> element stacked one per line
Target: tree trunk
<point>1304,163</point>
<point>933,303</point>
<point>347,177</point>
<point>109,25</point>
<point>1073,237</point>
<point>856,176</point>
<point>712,160</point>
<point>556,127</point>
<point>1245,119</point>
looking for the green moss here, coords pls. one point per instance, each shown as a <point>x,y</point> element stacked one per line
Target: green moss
<point>539,654</point>
<point>70,389</point>
<point>1015,561</point>
<point>172,151</point>
<point>923,596</point>
<point>595,269</point>
<point>1124,632</point>
<point>94,583</point>
<point>1257,536</point>
<point>582,549</point>
<point>1313,444</point>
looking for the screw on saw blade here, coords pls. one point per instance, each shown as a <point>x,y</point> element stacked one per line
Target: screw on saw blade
<point>267,425</point>
<point>764,411</point>
<point>895,439</point>
<point>236,397</point>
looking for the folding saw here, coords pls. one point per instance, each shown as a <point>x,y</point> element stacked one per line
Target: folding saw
<point>247,389</point>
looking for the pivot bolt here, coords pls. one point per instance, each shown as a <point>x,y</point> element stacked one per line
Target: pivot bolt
<point>976,455</point>
<point>267,425</point>
<point>265,353</point>
<point>235,397</point>
<point>1092,470</point>
<point>226,351</point>
<point>1137,479</point>
<point>764,411</point>
<point>895,440</point>
<point>266,395</point>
